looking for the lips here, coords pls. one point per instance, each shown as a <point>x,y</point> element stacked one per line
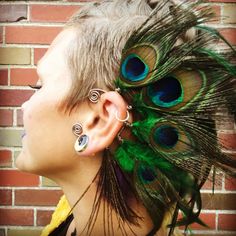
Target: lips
<point>23,134</point>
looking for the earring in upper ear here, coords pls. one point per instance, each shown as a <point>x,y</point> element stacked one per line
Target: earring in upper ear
<point>82,141</point>
<point>95,94</point>
<point>127,115</point>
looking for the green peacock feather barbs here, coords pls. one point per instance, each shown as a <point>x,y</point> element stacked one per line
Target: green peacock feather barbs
<point>178,87</point>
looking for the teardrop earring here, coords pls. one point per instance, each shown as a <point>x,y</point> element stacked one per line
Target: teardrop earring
<point>82,141</point>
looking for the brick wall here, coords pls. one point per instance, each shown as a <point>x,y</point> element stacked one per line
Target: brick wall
<point>27,201</point>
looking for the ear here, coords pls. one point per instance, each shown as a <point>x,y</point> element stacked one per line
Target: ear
<point>102,125</point>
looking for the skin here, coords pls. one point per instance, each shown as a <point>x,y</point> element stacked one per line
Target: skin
<point>48,146</point>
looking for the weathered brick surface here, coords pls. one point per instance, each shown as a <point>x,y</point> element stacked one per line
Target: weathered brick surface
<point>21,76</point>
<point>229,14</point>
<point>43,13</point>
<point>43,217</point>
<point>6,117</point>
<point>10,97</point>
<point>13,13</point>
<point>10,138</point>
<point>5,158</point>
<point>229,34</point>
<point>1,34</point>
<point>15,56</point>
<point>227,222</point>
<point>37,197</point>
<point>219,201</point>
<point>48,182</point>
<point>17,178</point>
<point>31,34</point>
<point>38,53</point>
<point>3,76</point>
<point>16,217</point>
<point>23,232</point>
<point>19,117</point>
<point>5,197</point>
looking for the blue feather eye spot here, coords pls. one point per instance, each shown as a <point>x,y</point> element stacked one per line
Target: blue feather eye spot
<point>166,92</point>
<point>166,136</point>
<point>134,68</point>
<point>146,174</point>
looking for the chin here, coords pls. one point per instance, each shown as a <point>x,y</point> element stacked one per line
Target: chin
<point>24,163</point>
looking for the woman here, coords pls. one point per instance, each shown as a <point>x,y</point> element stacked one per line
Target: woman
<point>123,118</point>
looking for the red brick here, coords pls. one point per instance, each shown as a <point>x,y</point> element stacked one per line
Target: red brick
<point>229,34</point>
<point>12,13</point>
<point>230,184</point>
<point>10,97</point>
<point>38,54</point>
<point>5,158</point>
<point>3,76</point>
<point>17,178</point>
<point>31,34</point>
<point>16,217</point>
<point>219,201</point>
<point>1,34</point>
<point>5,197</point>
<point>51,13</point>
<point>43,217</point>
<point>217,185</point>
<point>23,76</point>
<point>208,218</point>
<point>228,140</point>
<point>19,117</point>
<point>227,222</point>
<point>37,197</point>
<point>6,117</point>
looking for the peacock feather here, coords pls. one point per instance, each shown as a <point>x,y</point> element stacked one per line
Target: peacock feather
<point>178,87</point>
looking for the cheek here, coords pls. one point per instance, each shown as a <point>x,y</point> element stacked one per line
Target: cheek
<point>49,137</point>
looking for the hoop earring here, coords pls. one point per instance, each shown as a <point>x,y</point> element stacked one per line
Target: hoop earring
<point>122,120</point>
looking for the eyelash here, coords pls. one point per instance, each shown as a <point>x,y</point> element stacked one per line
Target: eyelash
<point>37,87</point>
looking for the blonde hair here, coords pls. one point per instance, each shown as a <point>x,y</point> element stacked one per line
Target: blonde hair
<point>102,30</point>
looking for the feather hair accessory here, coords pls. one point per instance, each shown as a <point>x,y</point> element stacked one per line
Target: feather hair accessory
<point>178,88</point>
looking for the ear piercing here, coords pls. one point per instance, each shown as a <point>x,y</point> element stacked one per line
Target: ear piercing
<point>127,114</point>
<point>95,94</point>
<point>82,141</point>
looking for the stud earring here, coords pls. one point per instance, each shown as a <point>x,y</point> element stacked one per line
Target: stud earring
<point>82,141</point>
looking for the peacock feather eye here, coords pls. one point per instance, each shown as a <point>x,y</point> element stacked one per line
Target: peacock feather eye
<point>134,68</point>
<point>176,91</point>
<point>166,136</point>
<point>166,92</point>
<point>138,66</point>
<point>146,174</point>
<point>169,137</point>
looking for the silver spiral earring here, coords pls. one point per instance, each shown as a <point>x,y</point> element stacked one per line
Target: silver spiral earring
<point>82,141</point>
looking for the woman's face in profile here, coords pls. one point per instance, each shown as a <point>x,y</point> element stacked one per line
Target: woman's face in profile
<point>48,137</point>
